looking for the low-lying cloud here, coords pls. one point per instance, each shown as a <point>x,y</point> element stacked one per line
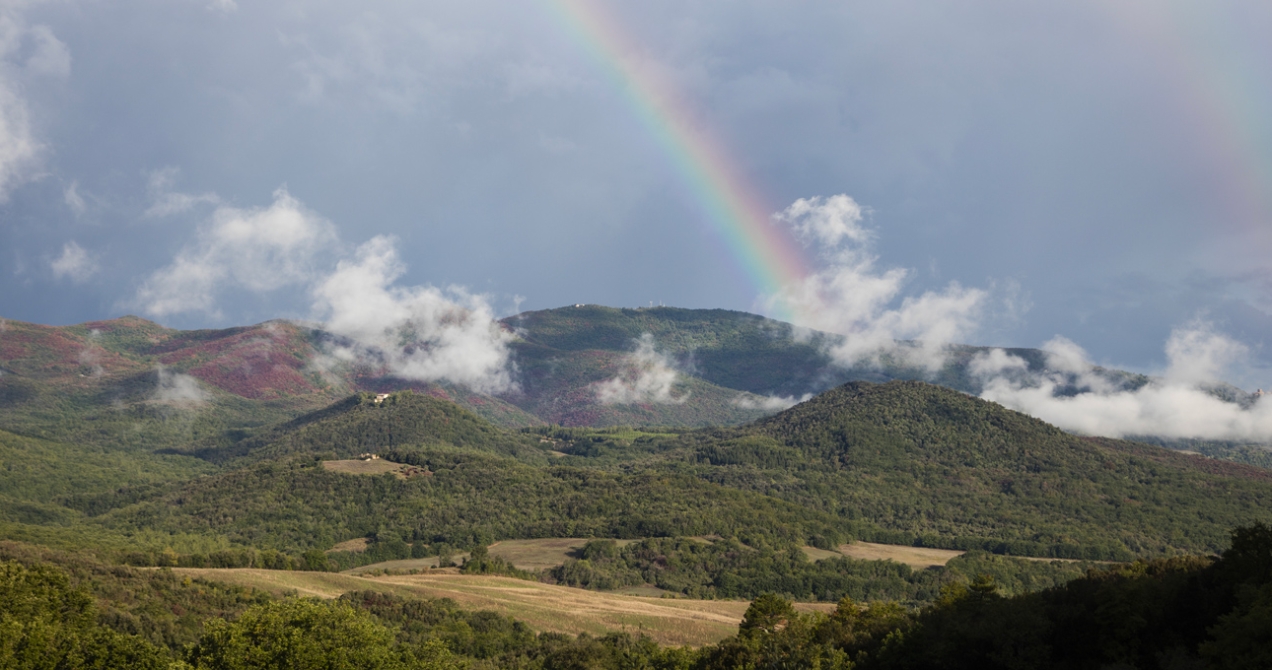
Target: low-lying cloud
<point>645,375</point>
<point>419,333</point>
<point>853,297</point>
<point>1072,393</point>
<point>178,389</point>
<point>772,403</point>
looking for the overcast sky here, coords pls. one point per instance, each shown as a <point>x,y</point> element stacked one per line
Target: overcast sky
<point>1102,174</point>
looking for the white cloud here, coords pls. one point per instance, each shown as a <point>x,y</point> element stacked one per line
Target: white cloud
<point>74,263</point>
<point>50,57</point>
<point>165,202</point>
<point>1074,395</point>
<point>178,389</point>
<point>223,6</point>
<point>829,222</point>
<point>769,403</point>
<point>645,376</point>
<point>418,332</point>
<point>1198,354</point>
<point>73,199</point>
<point>20,149</point>
<point>258,249</point>
<point>852,297</point>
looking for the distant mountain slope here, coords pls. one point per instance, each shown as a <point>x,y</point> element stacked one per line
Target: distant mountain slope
<point>735,350</point>
<point>726,368</point>
<point>931,463</point>
<point>902,462</point>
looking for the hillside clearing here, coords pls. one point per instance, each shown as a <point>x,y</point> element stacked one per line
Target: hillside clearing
<point>375,466</point>
<point>541,554</point>
<point>915,557</point>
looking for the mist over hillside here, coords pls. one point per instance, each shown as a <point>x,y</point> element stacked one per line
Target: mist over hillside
<point>589,365</point>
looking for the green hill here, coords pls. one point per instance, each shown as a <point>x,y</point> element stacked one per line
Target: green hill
<point>362,423</point>
<point>909,462</point>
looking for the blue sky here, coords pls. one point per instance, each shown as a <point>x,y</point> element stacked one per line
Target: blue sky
<point>1099,175</point>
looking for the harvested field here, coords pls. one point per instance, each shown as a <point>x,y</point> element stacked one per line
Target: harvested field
<point>355,545</point>
<point>543,607</point>
<point>543,553</point>
<point>404,564</point>
<point>915,557</point>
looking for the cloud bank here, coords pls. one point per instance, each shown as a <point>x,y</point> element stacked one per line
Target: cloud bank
<point>1073,394</point>
<point>853,297</point>
<point>646,375</point>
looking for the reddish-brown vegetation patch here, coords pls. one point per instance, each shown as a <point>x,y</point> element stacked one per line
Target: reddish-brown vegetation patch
<point>261,362</point>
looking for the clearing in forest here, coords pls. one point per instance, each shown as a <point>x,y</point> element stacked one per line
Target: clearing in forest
<point>377,466</point>
<point>915,557</point>
<point>543,607</point>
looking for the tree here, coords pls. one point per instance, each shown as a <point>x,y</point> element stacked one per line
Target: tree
<point>298,635</point>
<point>767,614</point>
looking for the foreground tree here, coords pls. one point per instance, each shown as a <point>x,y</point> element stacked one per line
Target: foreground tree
<point>310,635</point>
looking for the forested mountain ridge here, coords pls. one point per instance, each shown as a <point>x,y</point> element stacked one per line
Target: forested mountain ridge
<point>938,466</point>
<point>902,462</point>
<point>729,367</point>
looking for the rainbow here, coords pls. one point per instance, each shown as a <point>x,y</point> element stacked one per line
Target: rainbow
<point>768,257</point>
<point>1194,47</point>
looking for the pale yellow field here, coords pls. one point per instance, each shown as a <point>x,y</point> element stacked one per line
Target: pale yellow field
<point>543,607</point>
<point>915,557</point>
<point>541,554</point>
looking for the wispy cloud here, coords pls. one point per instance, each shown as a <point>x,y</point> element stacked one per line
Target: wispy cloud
<point>75,263</point>
<point>71,196</point>
<point>178,389</point>
<point>50,56</point>
<point>772,403</point>
<point>853,297</point>
<point>164,201</point>
<point>645,375</point>
<point>46,55</point>
<point>258,249</point>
